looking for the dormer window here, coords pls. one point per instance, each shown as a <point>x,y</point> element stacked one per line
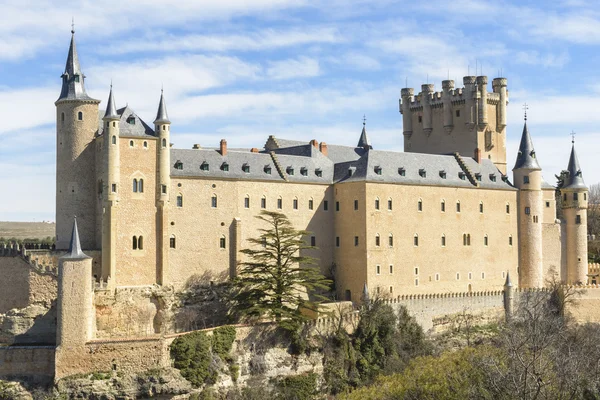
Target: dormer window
<point>462,175</point>
<point>443,174</point>
<point>290,170</point>
<point>179,165</point>
<point>493,177</point>
<point>478,177</point>
<point>318,172</point>
<point>351,171</point>
<point>401,171</point>
<point>267,169</point>
<point>204,166</point>
<point>304,171</point>
<point>422,173</point>
<point>246,168</point>
<point>76,78</point>
<point>131,120</point>
<point>378,170</point>
<point>225,167</point>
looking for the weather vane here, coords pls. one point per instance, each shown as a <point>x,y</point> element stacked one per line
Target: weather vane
<point>525,108</point>
<point>72,24</point>
<point>572,137</point>
<point>364,120</point>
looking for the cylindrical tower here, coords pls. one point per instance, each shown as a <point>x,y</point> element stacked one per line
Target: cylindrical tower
<point>469,96</point>
<point>162,127</point>
<point>482,117</point>
<point>426,91</point>
<point>574,204</point>
<point>447,87</point>
<point>76,127</point>
<point>111,181</point>
<point>527,177</point>
<point>407,96</point>
<point>499,86</point>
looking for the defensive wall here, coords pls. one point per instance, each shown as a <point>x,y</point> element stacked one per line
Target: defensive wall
<point>31,363</point>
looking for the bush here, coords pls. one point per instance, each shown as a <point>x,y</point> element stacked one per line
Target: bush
<point>300,387</point>
<point>192,356</point>
<point>222,341</point>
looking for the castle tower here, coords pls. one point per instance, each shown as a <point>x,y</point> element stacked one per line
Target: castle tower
<point>111,178</point>
<point>574,204</point>
<point>75,322</point>
<point>527,177</point>
<point>162,127</point>
<point>76,126</point>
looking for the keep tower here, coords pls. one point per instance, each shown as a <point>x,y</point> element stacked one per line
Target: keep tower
<point>574,205</point>
<point>76,127</point>
<point>527,177</point>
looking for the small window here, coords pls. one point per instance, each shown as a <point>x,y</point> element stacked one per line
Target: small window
<point>337,206</point>
<point>585,196</point>
<point>416,270</point>
<point>179,200</point>
<point>213,201</point>
<point>164,143</point>
<point>222,242</point>
<point>304,171</point>
<point>145,144</point>
<point>114,139</point>
<point>443,174</point>
<point>527,210</point>
<point>458,206</point>
<point>378,269</point>
<point>279,203</point>
<point>420,205</point>
<point>417,279</point>
<point>172,242</point>
<point>377,240</point>
<point>337,241</point>
<point>163,189</point>
<point>378,170</point>
<point>325,205</point>
<point>443,241</point>
<point>443,206</point>
<point>131,120</point>
<point>141,243</point>
<point>391,240</point>
<point>377,204</point>
<point>485,240</point>
<point>141,186</point>
<point>391,269</point>
<point>481,207</point>
<point>179,165</point>
<point>295,204</point>
<point>437,277</point>
<point>578,219</point>
<point>493,177</point>
<point>246,202</point>
<point>478,177</point>
<point>510,243</point>
<point>246,168</point>
<point>457,276</point>
<point>483,275</point>
<point>401,171</point>
<point>319,172</point>
<point>416,240</point>
<point>225,167</point>
<point>348,295</point>
<point>76,78</point>
<point>390,204</point>
<point>565,197</point>
<point>204,166</point>
<point>547,204</point>
<point>462,176</point>
<point>313,241</point>
<point>391,289</point>
<point>420,118</point>
<point>422,173</point>
<point>310,204</point>
<point>135,186</point>
<point>290,170</point>
<point>114,188</point>
<point>526,179</point>
<point>575,196</point>
<point>62,117</point>
<point>267,169</point>
<point>263,202</point>
<point>508,208</point>
<point>131,143</point>
<point>135,243</point>
<point>355,205</point>
<point>458,113</point>
<point>80,116</point>
<point>355,240</point>
<point>470,275</point>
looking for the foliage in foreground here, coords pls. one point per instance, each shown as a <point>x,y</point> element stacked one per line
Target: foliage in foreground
<point>277,280</point>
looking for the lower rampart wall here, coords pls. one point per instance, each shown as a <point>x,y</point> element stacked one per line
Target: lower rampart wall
<point>32,363</point>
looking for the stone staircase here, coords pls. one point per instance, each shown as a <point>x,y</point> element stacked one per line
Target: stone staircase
<point>466,170</point>
<point>278,166</point>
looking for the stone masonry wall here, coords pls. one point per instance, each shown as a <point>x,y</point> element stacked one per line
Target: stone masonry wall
<point>34,363</point>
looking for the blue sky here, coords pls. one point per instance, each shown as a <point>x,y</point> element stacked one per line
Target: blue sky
<point>245,69</point>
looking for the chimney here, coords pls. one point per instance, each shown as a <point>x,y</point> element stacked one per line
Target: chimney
<point>254,150</point>
<point>196,146</point>
<point>477,155</point>
<point>323,149</point>
<point>223,147</point>
<point>314,143</point>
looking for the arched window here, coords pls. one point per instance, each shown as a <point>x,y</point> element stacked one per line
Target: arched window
<point>390,204</point>
<point>295,203</point>
<point>135,186</point>
<point>247,201</point>
<point>179,200</point>
<point>420,205</point>
<point>145,144</point>
<point>416,240</point>
<point>377,240</point>
<point>131,143</point>
<point>348,295</point>
<point>457,206</point>
<point>481,207</point>
<point>443,240</point>
<point>80,116</point>
<point>279,203</point>
<point>141,243</point>
<point>114,139</point>
<point>443,205</point>
<point>141,186</point>
<point>377,203</point>
<point>213,201</point>
<point>164,143</point>
<point>391,240</point>
<point>172,243</point>
<point>263,202</point>
<point>222,242</point>
<point>485,240</point>
<point>135,243</point>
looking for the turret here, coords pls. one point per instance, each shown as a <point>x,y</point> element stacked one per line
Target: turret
<point>162,126</point>
<point>447,87</point>
<point>76,127</point>
<point>426,94</point>
<point>527,177</point>
<point>574,204</point>
<point>482,117</point>
<point>364,141</point>
<point>407,97</point>
<point>499,86</point>
<point>470,95</point>
<point>508,298</point>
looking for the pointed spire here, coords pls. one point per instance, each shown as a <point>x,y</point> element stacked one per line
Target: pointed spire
<point>575,180</point>
<point>508,282</point>
<point>526,155</point>
<point>161,115</point>
<point>364,139</point>
<point>75,251</point>
<point>72,85</point>
<point>111,110</point>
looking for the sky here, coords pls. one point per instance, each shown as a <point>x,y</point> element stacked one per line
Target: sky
<point>297,69</point>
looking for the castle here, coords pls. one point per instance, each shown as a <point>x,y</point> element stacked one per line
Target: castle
<point>439,218</point>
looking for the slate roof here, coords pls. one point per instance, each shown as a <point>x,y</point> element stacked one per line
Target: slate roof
<point>575,180</point>
<point>126,129</point>
<point>75,252</point>
<point>526,156</point>
<point>73,79</point>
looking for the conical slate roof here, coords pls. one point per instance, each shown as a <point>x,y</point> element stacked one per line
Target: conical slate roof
<point>161,115</point>
<point>364,139</point>
<point>526,156</point>
<point>508,282</point>
<point>575,180</point>
<point>73,79</point>
<point>111,110</point>
<point>75,251</point>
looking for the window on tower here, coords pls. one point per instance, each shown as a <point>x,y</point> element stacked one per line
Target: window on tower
<point>135,186</point>
<point>80,116</point>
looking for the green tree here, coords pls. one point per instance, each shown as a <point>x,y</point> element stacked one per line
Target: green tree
<point>278,281</point>
<point>560,182</point>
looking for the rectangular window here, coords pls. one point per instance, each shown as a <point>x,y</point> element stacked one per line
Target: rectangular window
<point>485,240</point>
<point>481,208</point>
<point>337,206</point>
<point>377,204</point>
<point>263,203</point>
<point>279,204</point>
<point>355,205</point>
<point>417,280</point>
<point>578,219</point>
<point>401,172</point>
<point>213,202</point>
<point>163,189</point>
<point>390,204</point>
<point>547,204</point>
<point>458,113</point>
<point>416,240</point>
<point>172,242</point>
<point>443,206</point>
<point>527,210</point>
<point>458,207</point>
<point>391,289</point>
<point>443,241</point>
<point>378,269</point>
<point>508,209</point>
<point>355,240</point>
<point>391,241</point>
<point>325,205</point>
<point>437,277</point>
<point>310,204</point>
<point>526,179</point>
<point>222,242</point>
<point>483,275</point>
<point>391,269</point>
<point>420,205</point>
<point>337,241</point>
<point>313,241</point>
<point>574,196</point>
<point>114,188</point>
<point>416,270</point>
<point>510,240</point>
<point>179,201</point>
<point>295,203</point>
<point>377,242</point>
<point>204,167</point>
<point>247,202</point>
<point>470,276</point>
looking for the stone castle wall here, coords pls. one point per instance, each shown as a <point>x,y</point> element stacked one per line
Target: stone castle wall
<point>34,363</point>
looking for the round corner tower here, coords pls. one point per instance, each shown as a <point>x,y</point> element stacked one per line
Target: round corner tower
<point>76,127</point>
<point>574,205</point>
<point>527,177</point>
<point>162,126</point>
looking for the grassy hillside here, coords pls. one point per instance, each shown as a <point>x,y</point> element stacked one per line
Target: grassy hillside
<point>26,230</point>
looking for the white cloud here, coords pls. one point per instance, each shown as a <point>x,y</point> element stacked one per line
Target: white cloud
<point>302,67</point>
<point>27,108</point>
<point>534,57</point>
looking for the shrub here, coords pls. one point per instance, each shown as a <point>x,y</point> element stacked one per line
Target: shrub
<point>192,356</point>
<point>222,341</point>
<point>299,387</point>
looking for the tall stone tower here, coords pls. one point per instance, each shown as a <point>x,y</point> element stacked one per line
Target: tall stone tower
<point>527,177</point>
<point>76,126</point>
<point>111,178</point>
<point>574,204</point>
<point>162,127</point>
